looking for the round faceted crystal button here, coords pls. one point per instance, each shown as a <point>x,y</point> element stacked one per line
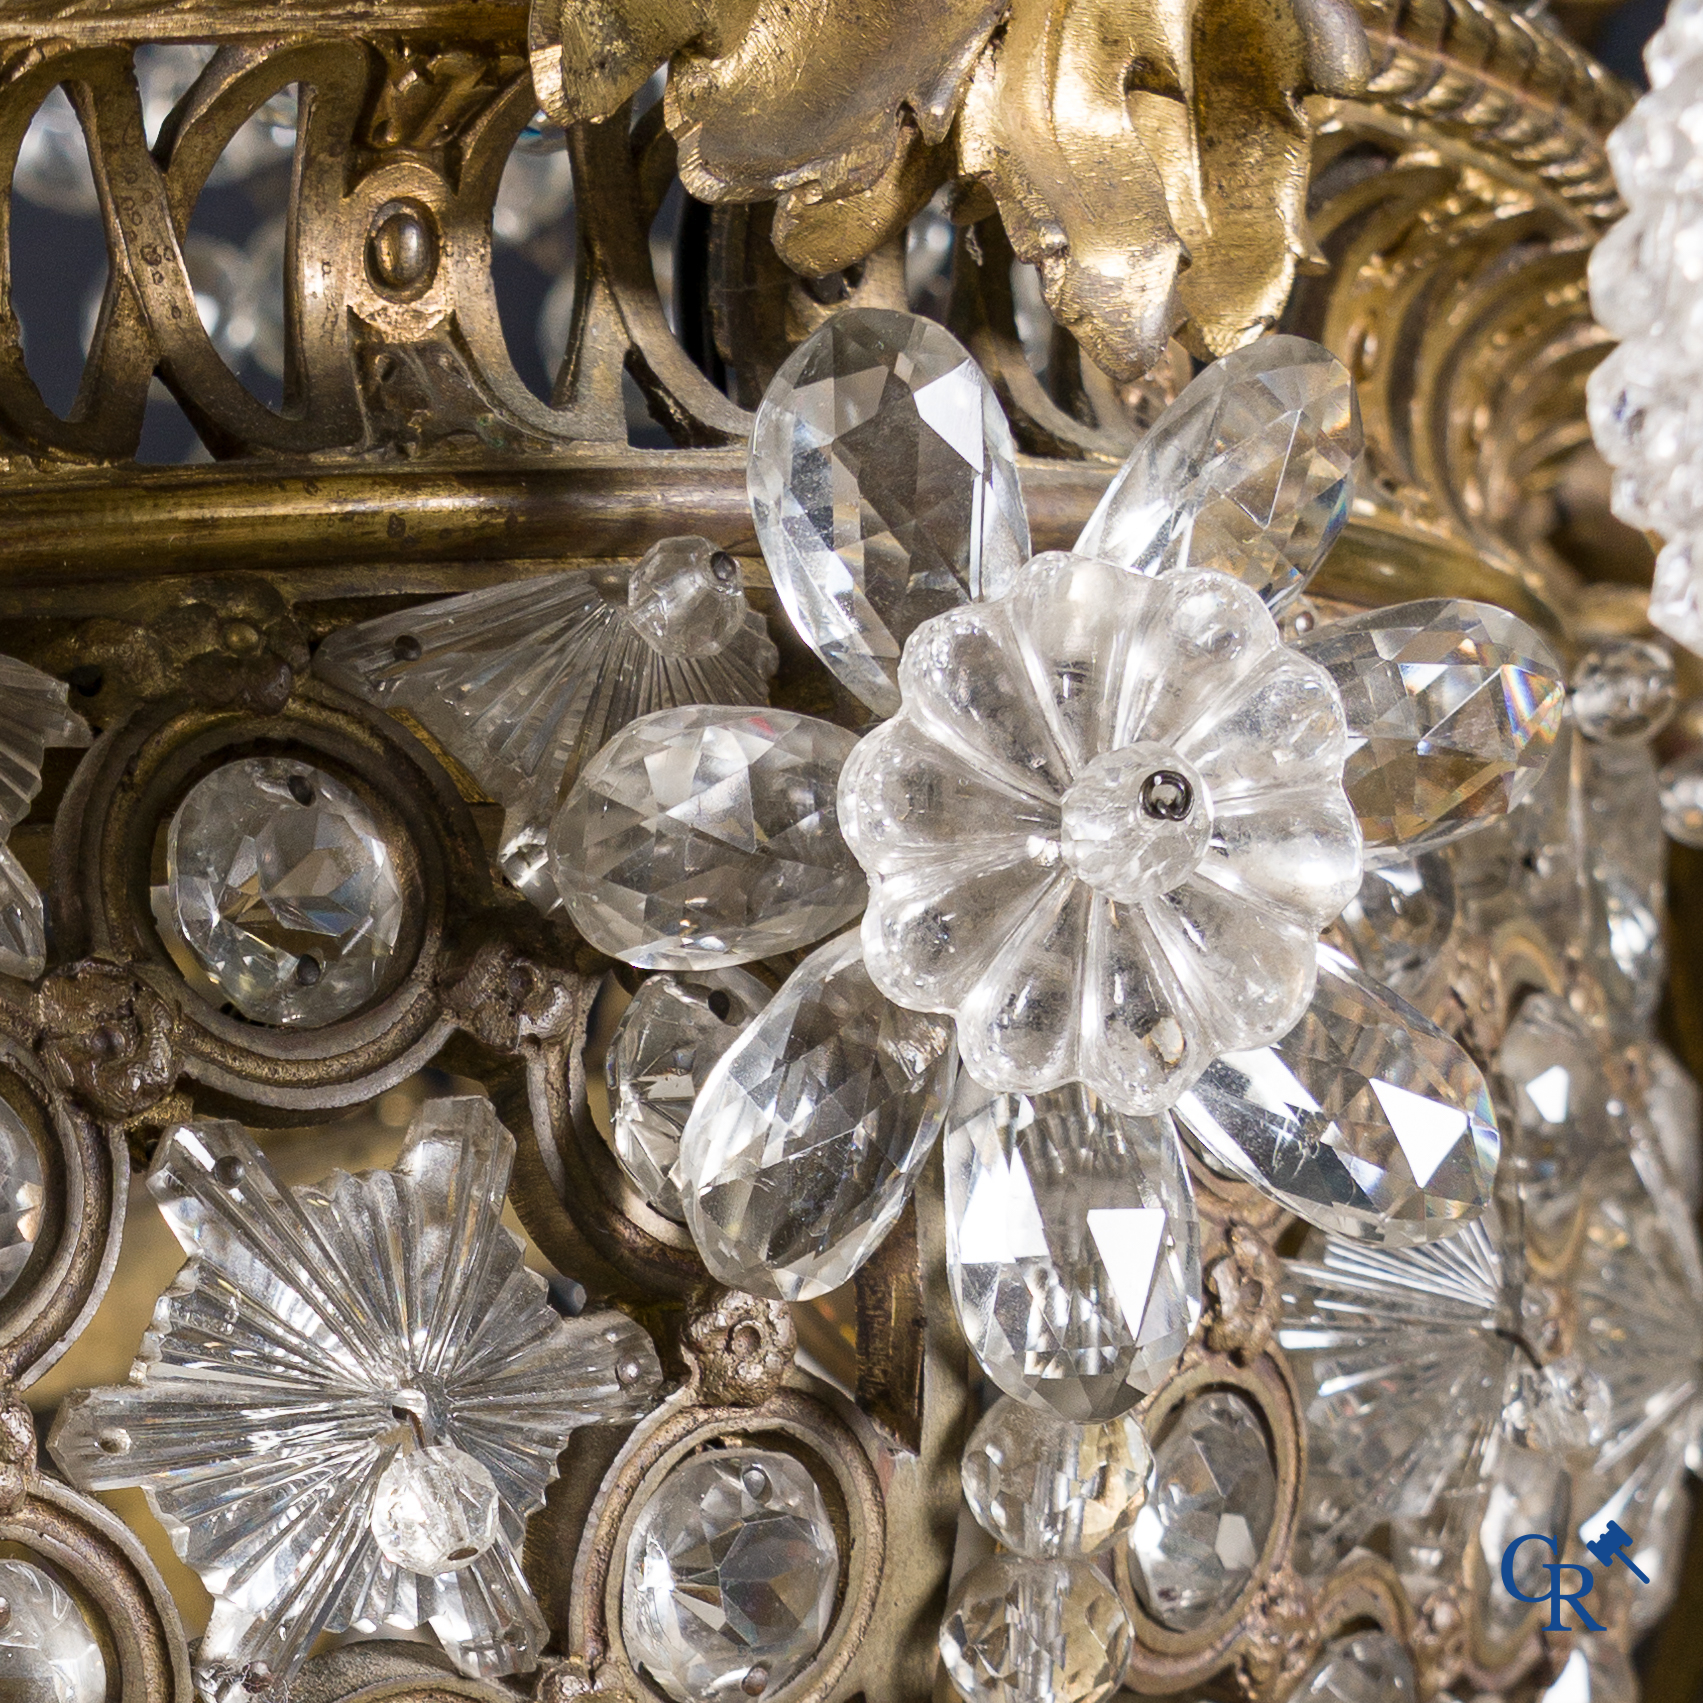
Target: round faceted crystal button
<point>1035,1632</point>
<point>730,1576</point>
<point>1046,1487</point>
<point>686,598</point>
<point>46,1648</point>
<point>435,1510</point>
<point>1209,1510</point>
<point>282,884</point>
<point>1135,822</point>
<point>1623,689</point>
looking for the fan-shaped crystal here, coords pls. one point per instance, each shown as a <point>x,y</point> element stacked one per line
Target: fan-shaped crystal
<point>1404,1358</point>
<point>1250,471</point>
<point>702,837</point>
<point>33,718</point>
<point>315,1331</point>
<point>1035,1632</point>
<point>523,683</point>
<point>806,1138</point>
<point>1051,1489</point>
<point>659,1058</point>
<point>1198,1539</point>
<point>282,884</point>
<point>1453,709</point>
<point>1370,1667</point>
<point>884,489</point>
<point>1365,1119</point>
<point>1072,1246</point>
<point>730,1576</point>
<point>47,1652</point>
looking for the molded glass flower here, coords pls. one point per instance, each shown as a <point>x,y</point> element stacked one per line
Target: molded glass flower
<point>352,1397</point>
<point>1104,830</point>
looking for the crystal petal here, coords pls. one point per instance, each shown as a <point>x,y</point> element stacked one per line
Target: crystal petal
<point>47,1652</point>
<point>1365,1119</point>
<point>1073,1248</point>
<point>883,484</point>
<point>1201,1533</point>
<point>1035,1632</point>
<point>311,1320</point>
<point>808,1134</point>
<point>1250,471</point>
<point>1453,710</point>
<point>659,1058</point>
<point>703,837</point>
<point>523,683</point>
<point>1293,853</point>
<point>1402,1374</point>
<point>1049,1489</point>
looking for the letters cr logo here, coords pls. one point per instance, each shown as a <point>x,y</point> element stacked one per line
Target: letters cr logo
<point>1555,1596</point>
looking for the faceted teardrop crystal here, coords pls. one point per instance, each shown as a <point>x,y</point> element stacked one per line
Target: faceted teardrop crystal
<point>1048,1488</point>
<point>1250,471</point>
<point>1453,710</point>
<point>1035,1632</point>
<point>808,1134</point>
<point>1365,1119</point>
<point>883,485</point>
<point>1072,1246</point>
<point>706,836</point>
<point>660,1055</point>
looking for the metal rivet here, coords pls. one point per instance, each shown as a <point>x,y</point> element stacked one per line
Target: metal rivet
<point>1166,796</point>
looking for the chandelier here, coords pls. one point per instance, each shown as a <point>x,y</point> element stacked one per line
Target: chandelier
<point>1002,870</point>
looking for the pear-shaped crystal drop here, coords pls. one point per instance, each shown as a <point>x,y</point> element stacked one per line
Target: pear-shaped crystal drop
<point>1365,1119</point>
<point>1072,1246</point>
<point>1453,710</point>
<point>1250,471</point>
<point>806,1138</point>
<point>702,837</point>
<point>884,489</point>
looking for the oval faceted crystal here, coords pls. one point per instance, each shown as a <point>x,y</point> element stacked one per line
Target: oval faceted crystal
<point>1072,1246</point>
<point>1453,710</point>
<point>1035,1632</point>
<point>1250,471</point>
<point>883,485</point>
<point>1048,1488</point>
<point>704,836</point>
<point>1365,1119</point>
<point>806,1138</point>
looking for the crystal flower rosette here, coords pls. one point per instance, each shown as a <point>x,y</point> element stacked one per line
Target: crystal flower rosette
<point>319,1339</point>
<point>1104,830</point>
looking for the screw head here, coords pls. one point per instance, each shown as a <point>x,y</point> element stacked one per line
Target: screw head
<point>1167,796</point>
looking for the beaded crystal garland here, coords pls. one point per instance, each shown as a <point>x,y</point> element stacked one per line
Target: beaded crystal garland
<point>1123,878</point>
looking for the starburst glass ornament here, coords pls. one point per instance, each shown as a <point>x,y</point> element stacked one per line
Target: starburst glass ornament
<point>1250,472</point>
<point>34,718</point>
<point>523,683</point>
<point>1104,830</point>
<point>352,1397</point>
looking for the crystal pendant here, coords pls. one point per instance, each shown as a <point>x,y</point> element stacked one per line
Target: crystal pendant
<point>523,683</point>
<point>1200,1536</point>
<point>1529,1491</point>
<point>316,1331</point>
<point>434,1510</point>
<point>1250,471</point>
<point>1681,783</point>
<point>730,1577</point>
<point>1395,926</point>
<point>703,837</point>
<point>884,490</point>
<point>1365,1119</point>
<point>1369,1667</point>
<point>23,1196</point>
<point>1674,1107</point>
<point>1072,1246</point>
<point>281,882</point>
<point>1035,1632</point>
<point>33,719</point>
<point>1049,1489</point>
<point>1404,1357</point>
<point>47,1652</point>
<point>808,1134</point>
<point>659,1058</point>
<point>1595,1671</point>
<point>1623,689</point>
<point>1676,596</point>
<point>1625,865</point>
<point>1453,710</point>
